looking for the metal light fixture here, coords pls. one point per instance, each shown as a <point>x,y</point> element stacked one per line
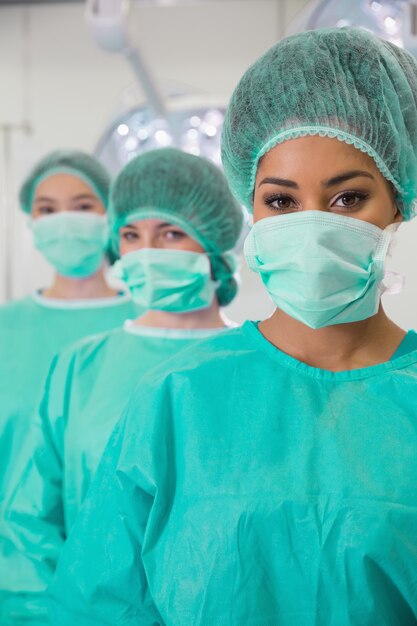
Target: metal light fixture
<point>159,122</point>
<point>394,20</point>
<point>174,2</point>
<point>193,127</point>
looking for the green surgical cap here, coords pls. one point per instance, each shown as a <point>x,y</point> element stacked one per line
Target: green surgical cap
<point>185,190</point>
<point>80,164</point>
<point>340,82</point>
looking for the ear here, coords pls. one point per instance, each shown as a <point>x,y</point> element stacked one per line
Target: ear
<point>398,217</point>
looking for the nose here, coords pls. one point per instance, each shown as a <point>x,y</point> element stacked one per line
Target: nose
<point>314,205</point>
<point>149,240</point>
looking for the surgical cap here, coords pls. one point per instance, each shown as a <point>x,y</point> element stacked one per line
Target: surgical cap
<point>80,164</point>
<point>339,82</point>
<point>188,191</point>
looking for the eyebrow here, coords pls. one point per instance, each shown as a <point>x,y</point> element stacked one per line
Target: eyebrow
<point>83,196</point>
<point>44,199</point>
<point>342,178</point>
<point>163,225</point>
<point>283,182</point>
<point>335,180</point>
<point>128,226</point>
<point>167,224</point>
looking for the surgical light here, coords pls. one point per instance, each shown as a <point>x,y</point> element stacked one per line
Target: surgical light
<point>394,20</point>
<point>195,129</point>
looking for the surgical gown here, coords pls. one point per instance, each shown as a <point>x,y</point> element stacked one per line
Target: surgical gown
<point>86,390</point>
<point>32,330</point>
<point>247,488</point>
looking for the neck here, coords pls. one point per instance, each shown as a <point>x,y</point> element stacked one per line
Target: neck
<point>66,288</point>
<point>204,318</point>
<point>335,348</point>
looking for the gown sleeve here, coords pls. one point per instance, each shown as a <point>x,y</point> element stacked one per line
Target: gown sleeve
<point>101,578</point>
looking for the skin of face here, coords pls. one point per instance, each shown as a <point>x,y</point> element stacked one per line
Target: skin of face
<point>154,233</point>
<point>64,192</point>
<point>323,174</point>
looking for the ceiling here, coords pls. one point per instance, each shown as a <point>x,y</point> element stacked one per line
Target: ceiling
<point>32,2</point>
<point>29,2</point>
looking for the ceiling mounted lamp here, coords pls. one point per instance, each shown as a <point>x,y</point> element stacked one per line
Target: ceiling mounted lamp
<point>175,2</point>
<point>394,20</point>
<point>194,126</point>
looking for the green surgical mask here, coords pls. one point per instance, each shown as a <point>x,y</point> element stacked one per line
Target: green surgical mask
<point>73,242</point>
<point>320,268</point>
<point>167,280</point>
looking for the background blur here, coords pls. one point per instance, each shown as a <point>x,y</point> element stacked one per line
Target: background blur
<point>59,90</point>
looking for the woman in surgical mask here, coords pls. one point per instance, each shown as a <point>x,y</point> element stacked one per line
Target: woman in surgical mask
<point>65,197</point>
<point>69,224</point>
<point>272,481</point>
<point>174,223</point>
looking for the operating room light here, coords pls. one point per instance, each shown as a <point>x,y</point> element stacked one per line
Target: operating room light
<point>156,124</point>
<point>123,130</point>
<point>376,6</point>
<point>389,19</point>
<point>196,130</point>
<point>174,2</point>
<point>390,25</point>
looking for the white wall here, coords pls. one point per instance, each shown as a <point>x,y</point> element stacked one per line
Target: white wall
<point>54,78</point>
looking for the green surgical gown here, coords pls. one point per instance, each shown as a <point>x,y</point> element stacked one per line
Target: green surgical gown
<point>32,330</point>
<point>86,390</point>
<point>245,488</point>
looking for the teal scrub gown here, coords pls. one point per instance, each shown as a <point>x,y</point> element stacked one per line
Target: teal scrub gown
<point>86,391</point>
<point>32,330</point>
<point>245,488</point>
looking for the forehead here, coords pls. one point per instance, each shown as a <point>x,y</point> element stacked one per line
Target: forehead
<point>315,157</point>
<point>63,185</point>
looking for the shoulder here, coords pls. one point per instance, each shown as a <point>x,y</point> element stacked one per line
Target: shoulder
<point>17,308</point>
<point>166,392</point>
<point>215,353</point>
<point>89,347</point>
<point>83,354</point>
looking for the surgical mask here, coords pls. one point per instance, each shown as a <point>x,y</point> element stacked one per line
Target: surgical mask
<point>320,268</point>
<point>73,242</point>
<point>167,280</point>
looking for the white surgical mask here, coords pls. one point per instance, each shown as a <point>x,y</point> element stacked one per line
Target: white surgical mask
<point>167,280</point>
<point>74,243</point>
<point>321,268</point>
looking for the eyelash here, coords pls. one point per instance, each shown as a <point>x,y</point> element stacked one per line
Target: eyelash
<point>358,195</point>
<point>274,198</point>
<point>176,234</point>
<point>130,235</point>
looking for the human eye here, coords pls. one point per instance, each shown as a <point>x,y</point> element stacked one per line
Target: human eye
<point>129,235</point>
<point>349,200</point>
<point>174,234</point>
<point>84,206</point>
<point>280,202</point>
<point>46,209</point>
